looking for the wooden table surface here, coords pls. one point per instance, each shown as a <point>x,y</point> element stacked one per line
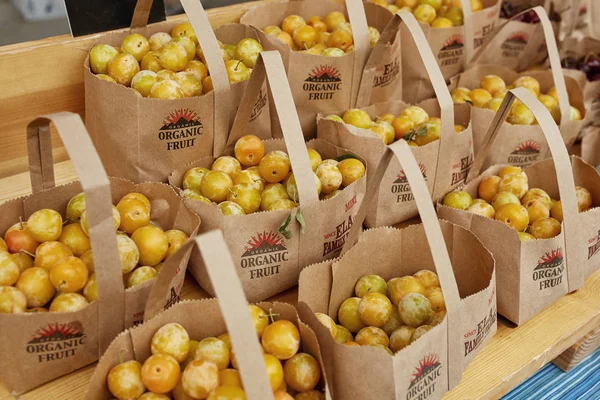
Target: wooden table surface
<point>514,354</point>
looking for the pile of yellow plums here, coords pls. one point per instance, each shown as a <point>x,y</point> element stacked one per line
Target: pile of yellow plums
<point>437,13</point>
<point>46,262</point>
<point>413,125</point>
<point>507,198</point>
<point>491,92</point>
<point>329,36</point>
<point>253,181</point>
<point>170,66</point>
<point>389,315</point>
<point>183,368</point>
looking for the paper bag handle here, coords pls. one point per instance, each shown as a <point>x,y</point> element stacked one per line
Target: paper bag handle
<point>214,60</point>
<point>469,36</point>
<point>555,64</point>
<point>564,174</point>
<point>232,301</point>
<point>437,81</point>
<point>270,65</point>
<point>96,189</point>
<point>362,44</point>
<point>141,13</point>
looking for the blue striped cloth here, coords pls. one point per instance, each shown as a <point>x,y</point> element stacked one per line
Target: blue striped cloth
<point>550,383</point>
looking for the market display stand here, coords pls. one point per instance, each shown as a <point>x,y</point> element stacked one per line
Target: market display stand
<point>514,354</point>
<point>47,76</point>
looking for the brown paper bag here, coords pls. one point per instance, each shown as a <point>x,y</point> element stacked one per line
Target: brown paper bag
<point>533,274</point>
<point>203,318</point>
<point>39,347</point>
<point>578,49</point>
<point>143,139</point>
<point>522,144</point>
<point>452,47</point>
<point>326,84</point>
<point>523,45</point>
<point>268,255</point>
<point>431,366</point>
<point>444,163</point>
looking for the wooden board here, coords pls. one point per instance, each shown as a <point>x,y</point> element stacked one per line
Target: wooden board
<point>46,76</point>
<point>514,354</point>
<point>579,351</point>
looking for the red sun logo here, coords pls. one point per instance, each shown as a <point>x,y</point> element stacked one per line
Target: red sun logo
<point>548,258</point>
<point>269,238</point>
<point>427,363</point>
<point>520,37</point>
<point>182,113</point>
<point>325,73</point>
<point>528,146</point>
<point>58,330</point>
<point>454,41</point>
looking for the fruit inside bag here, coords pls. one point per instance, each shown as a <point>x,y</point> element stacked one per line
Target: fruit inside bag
<point>302,228</point>
<point>484,85</point>
<point>550,256</point>
<point>415,330</point>
<point>322,83</point>
<point>175,354</point>
<point>439,133</point>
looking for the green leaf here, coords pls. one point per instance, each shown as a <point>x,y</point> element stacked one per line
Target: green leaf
<point>300,219</point>
<point>283,229</point>
<point>469,102</point>
<point>409,136</point>
<point>345,157</point>
<point>421,130</point>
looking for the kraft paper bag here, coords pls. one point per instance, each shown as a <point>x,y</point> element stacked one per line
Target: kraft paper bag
<point>453,48</point>
<point>268,255</point>
<point>144,139</point>
<point>39,347</point>
<point>326,84</point>
<point>433,365</point>
<point>444,163</point>
<point>578,49</point>
<point>522,144</point>
<point>533,274</point>
<point>203,318</point>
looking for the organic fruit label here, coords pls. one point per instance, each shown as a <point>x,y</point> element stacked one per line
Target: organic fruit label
<point>452,51</point>
<point>264,254</point>
<point>549,270</point>
<point>180,129</point>
<point>401,188</point>
<point>514,44</point>
<point>386,74</point>
<point>594,245</point>
<point>525,154</point>
<point>461,169</point>
<point>334,240</point>
<point>424,378</point>
<point>323,82</point>
<point>474,338</point>
<point>56,341</point>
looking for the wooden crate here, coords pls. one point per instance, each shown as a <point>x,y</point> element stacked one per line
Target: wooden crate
<point>47,76</point>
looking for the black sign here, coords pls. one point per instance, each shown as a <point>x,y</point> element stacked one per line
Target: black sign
<point>92,16</point>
